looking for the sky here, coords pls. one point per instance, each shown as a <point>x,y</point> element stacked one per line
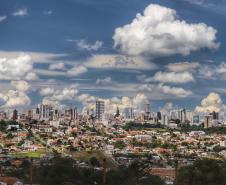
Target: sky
<point>127,53</point>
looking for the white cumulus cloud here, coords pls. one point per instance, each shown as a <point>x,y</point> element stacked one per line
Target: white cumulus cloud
<point>16,68</point>
<point>56,97</point>
<point>159,32</point>
<point>172,77</point>
<point>21,12</point>
<point>161,91</point>
<point>47,91</point>
<point>83,44</point>
<point>104,81</point>
<point>16,98</point>
<point>21,85</point>
<point>137,102</point>
<point>211,103</point>
<point>77,70</point>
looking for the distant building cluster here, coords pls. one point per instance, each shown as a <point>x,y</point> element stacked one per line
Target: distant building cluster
<point>125,135</point>
<point>70,116</point>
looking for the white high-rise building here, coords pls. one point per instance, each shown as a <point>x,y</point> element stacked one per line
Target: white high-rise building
<point>189,116</point>
<point>45,112</point>
<point>129,113</point>
<point>35,113</point>
<point>100,110</point>
<point>165,120</point>
<point>71,114</point>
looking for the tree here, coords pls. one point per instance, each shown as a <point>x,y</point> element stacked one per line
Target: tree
<point>203,172</point>
<point>120,144</point>
<point>94,162</point>
<point>65,171</point>
<point>9,135</point>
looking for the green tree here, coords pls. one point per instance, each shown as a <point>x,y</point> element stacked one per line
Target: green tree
<point>94,162</point>
<point>203,172</point>
<point>120,144</point>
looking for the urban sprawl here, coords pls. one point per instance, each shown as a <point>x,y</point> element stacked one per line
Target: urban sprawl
<point>163,140</point>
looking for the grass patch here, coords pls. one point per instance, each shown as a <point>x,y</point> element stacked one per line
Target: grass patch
<point>32,154</point>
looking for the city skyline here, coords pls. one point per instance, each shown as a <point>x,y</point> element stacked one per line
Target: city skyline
<point>109,92</point>
<point>75,52</point>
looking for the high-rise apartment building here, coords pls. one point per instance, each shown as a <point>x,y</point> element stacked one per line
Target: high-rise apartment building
<point>100,110</point>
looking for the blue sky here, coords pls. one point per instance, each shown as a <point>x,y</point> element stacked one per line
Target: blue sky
<point>74,51</point>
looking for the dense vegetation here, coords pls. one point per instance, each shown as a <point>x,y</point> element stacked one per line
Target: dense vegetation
<point>120,144</point>
<point>213,130</point>
<point>65,171</point>
<point>141,126</point>
<point>203,172</point>
<point>4,125</point>
<point>154,144</point>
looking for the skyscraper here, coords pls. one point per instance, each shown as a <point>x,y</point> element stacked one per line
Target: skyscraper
<point>129,113</point>
<point>71,113</point>
<point>215,115</point>
<point>147,112</point>
<point>159,116</point>
<point>15,115</point>
<point>100,110</point>
<point>45,112</point>
<point>147,108</point>
<point>182,115</point>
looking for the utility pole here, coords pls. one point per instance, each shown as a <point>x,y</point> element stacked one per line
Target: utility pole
<point>104,171</point>
<point>176,169</point>
<point>31,171</point>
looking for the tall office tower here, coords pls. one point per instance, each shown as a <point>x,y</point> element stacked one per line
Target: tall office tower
<point>51,114</point>
<point>37,111</point>
<point>147,108</point>
<point>215,115</point>
<point>45,112</point>
<point>74,113</point>
<point>174,115</point>
<point>189,115</point>
<point>129,113</point>
<point>147,114</point>
<point>100,110</point>
<point>208,122</point>
<point>30,113</point>
<point>56,114</point>
<point>15,115</point>
<point>164,120</point>
<point>182,115</point>
<point>159,116</point>
<point>71,113</point>
<point>67,114</point>
<point>34,113</point>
